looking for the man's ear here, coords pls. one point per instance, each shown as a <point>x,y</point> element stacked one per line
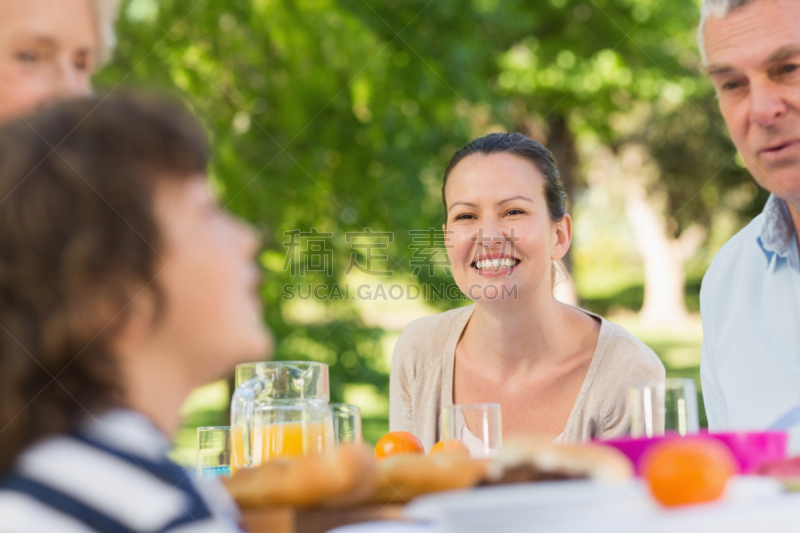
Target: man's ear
<point>563,237</point>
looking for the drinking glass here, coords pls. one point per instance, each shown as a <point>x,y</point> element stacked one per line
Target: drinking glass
<point>476,425</point>
<point>670,405</point>
<point>284,432</point>
<point>646,406</point>
<point>213,451</point>
<point>680,407</point>
<point>346,423</point>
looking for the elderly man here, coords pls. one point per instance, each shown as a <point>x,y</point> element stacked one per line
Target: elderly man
<point>49,50</point>
<point>750,299</point>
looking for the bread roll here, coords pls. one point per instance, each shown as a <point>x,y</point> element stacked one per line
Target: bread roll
<point>345,477</point>
<point>404,477</point>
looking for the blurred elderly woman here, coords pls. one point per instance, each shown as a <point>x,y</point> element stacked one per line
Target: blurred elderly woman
<point>123,285</point>
<point>557,371</point>
<point>49,50</point>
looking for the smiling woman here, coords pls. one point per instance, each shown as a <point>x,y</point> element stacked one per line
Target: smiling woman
<point>528,153</point>
<point>557,371</point>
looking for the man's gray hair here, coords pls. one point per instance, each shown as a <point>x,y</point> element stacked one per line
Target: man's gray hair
<point>715,8</point>
<point>105,14</point>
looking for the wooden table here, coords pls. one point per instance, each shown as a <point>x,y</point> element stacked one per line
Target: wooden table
<point>294,520</point>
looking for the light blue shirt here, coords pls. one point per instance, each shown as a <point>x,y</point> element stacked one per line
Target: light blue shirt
<point>750,304</point>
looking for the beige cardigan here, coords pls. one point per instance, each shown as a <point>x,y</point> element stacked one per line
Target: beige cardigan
<point>421,382</point>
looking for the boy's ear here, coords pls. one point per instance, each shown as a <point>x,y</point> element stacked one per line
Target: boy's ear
<point>139,321</point>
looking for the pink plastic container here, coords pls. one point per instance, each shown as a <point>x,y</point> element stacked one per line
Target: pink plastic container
<point>751,449</point>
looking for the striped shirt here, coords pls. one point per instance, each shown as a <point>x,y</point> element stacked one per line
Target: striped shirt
<point>111,476</point>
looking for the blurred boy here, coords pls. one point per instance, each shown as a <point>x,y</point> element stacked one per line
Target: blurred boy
<point>123,285</point>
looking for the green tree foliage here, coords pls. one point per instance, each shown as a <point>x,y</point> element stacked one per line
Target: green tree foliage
<point>341,115</point>
<point>630,70</point>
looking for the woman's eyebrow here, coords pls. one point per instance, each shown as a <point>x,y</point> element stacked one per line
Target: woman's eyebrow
<point>501,202</point>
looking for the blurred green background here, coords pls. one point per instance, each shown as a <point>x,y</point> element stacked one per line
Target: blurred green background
<point>342,115</point>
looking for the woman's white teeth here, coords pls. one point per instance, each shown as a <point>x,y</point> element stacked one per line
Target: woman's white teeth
<point>495,263</point>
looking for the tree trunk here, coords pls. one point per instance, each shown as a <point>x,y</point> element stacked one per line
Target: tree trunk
<point>562,144</point>
<point>664,278</point>
<point>663,256</point>
<point>632,177</point>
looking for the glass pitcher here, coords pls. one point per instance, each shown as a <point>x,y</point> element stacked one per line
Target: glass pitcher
<point>272,383</point>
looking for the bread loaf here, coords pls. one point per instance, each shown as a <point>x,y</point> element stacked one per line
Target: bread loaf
<point>347,476</point>
<point>403,477</point>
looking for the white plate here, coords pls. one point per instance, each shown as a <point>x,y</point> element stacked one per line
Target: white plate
<point>750,505</point>
<point>561,506</point>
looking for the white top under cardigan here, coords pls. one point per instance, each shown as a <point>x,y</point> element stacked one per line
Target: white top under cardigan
<point>421,382</point>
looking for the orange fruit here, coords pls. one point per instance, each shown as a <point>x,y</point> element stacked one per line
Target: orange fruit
<point>452,445</point>
<point>688,471</point>
<point>397,442</point>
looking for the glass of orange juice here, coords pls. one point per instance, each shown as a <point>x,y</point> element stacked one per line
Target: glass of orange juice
<point>285,432</point>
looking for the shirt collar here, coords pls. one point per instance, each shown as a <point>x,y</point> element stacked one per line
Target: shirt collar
<point>777,236</point>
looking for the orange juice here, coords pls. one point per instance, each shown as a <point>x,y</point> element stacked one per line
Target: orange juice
<point>282,440</point>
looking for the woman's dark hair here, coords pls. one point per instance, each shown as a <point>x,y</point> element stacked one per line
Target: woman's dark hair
<point>518,145</point>
<point>78,240</point>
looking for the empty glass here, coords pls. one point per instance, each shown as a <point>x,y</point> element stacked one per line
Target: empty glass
<point>477,425</point>
<point>646,406</point>
<point>680,407</point>
<point>284,432</point>
<point>213,451</point>
<point>346,423</point>
<point>669,405</point>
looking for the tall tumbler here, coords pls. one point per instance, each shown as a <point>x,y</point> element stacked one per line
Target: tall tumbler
<point>478,426</point>
<point>669,405</point>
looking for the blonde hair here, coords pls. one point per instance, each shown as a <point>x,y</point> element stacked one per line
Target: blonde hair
<point>105,14</point>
